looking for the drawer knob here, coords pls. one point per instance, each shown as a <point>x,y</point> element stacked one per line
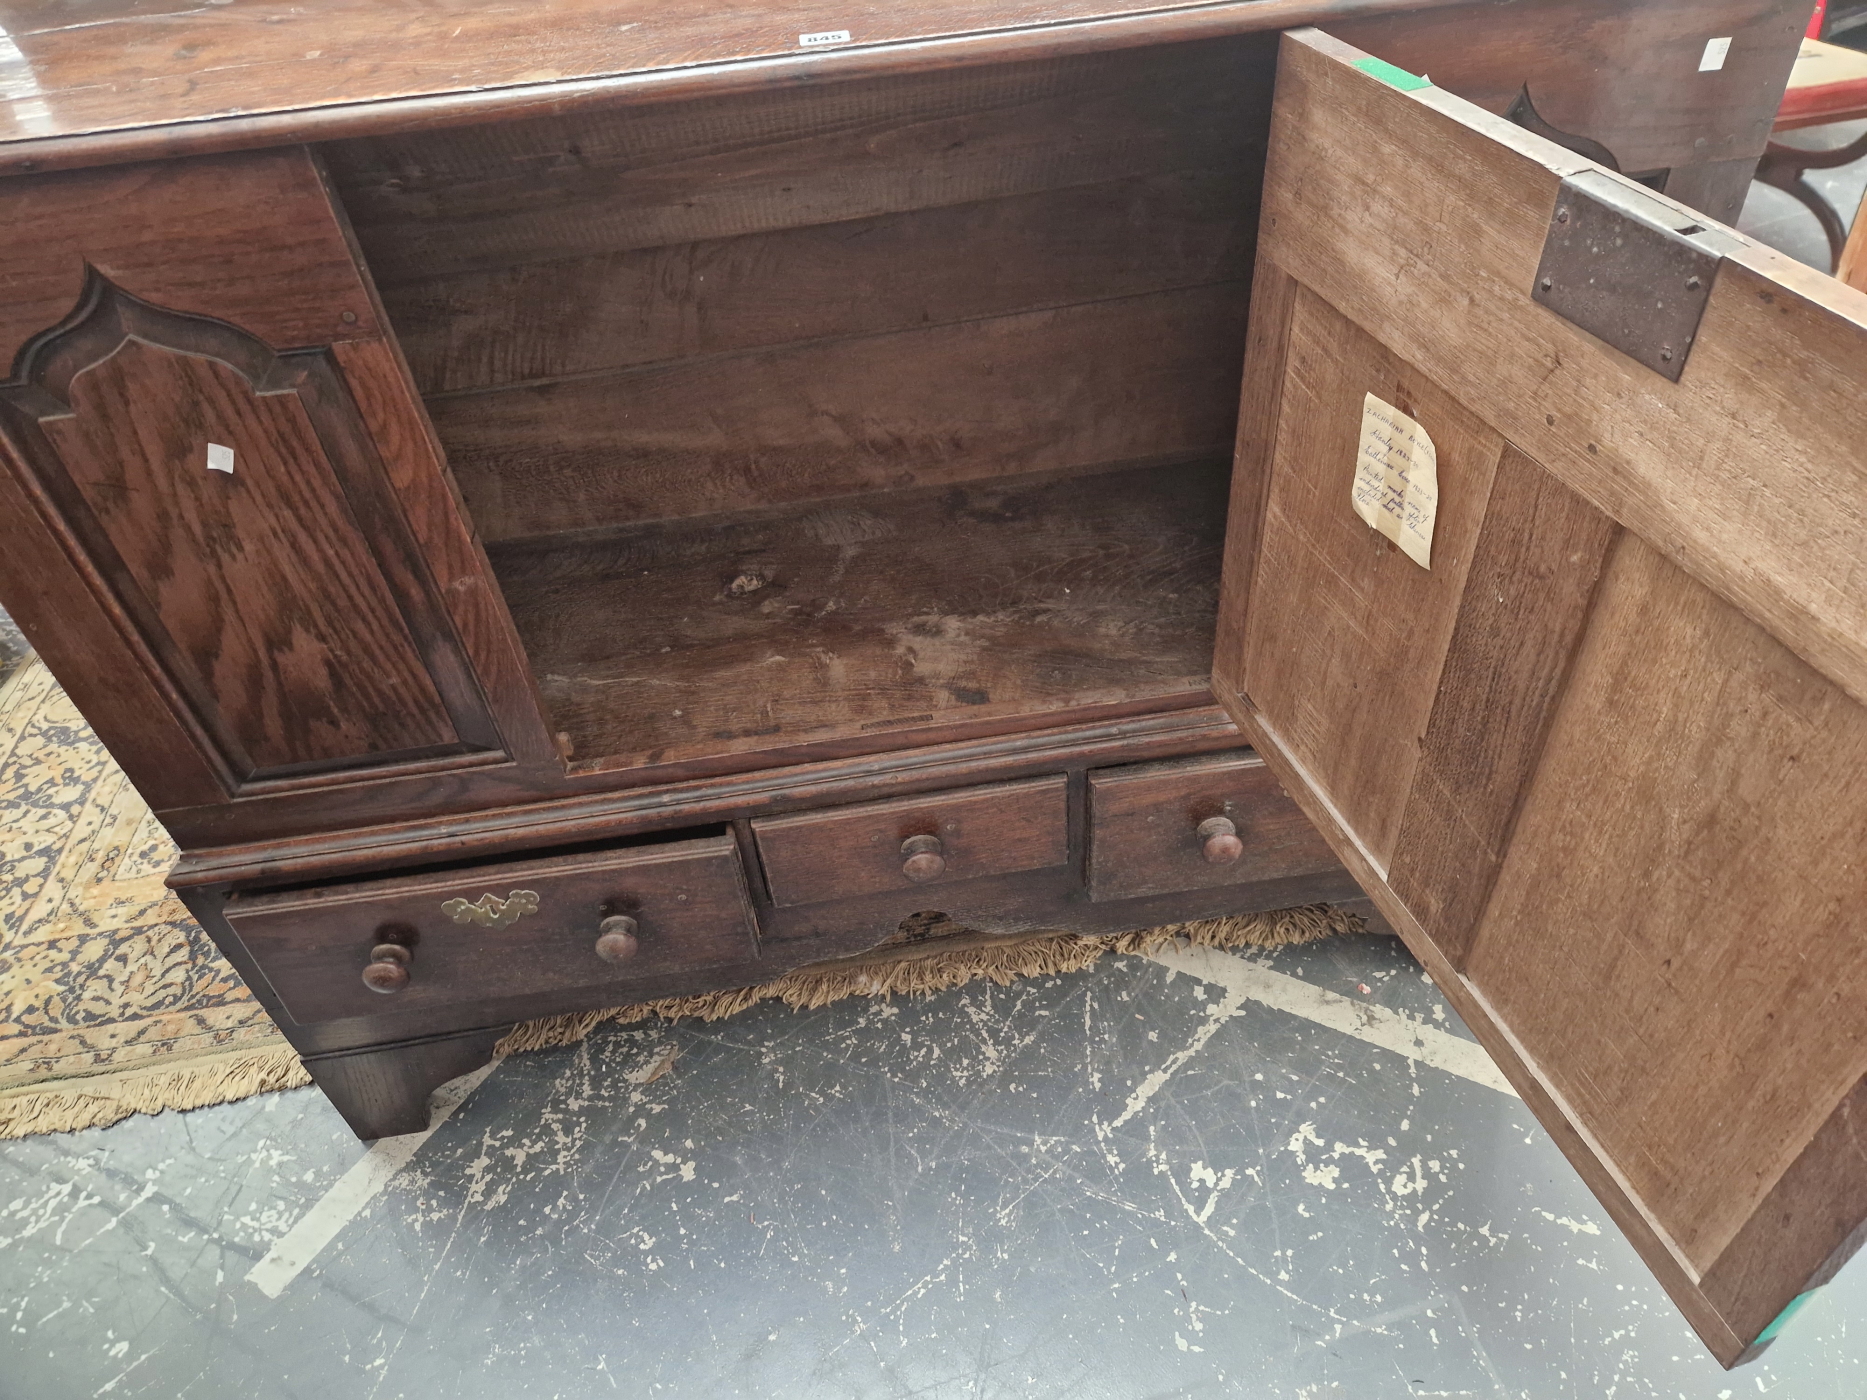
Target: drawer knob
<point>615,938</point>
<point>925,859</point>
<point>388,968</point>
<point>1219,841</point>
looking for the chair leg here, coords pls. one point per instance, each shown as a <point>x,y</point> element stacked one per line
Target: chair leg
<point>1786,168</point>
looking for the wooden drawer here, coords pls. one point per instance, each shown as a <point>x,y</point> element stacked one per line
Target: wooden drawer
<point>1144,825</point>
<point>996,830</point>
<point>500,931</point>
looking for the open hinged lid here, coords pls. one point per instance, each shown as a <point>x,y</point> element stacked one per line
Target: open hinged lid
<point>1582,708</point>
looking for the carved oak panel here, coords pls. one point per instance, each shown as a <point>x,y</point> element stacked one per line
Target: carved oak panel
<point>231,505</point>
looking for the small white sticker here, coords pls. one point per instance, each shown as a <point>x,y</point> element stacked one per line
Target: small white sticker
<point>827,36</point>
<point>1713,57</point>
<point>219,459</point>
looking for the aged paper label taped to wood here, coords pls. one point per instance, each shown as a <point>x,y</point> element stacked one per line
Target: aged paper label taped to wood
<point>1396,486</point>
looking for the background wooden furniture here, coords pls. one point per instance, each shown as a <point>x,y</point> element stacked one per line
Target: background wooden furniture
<point>565,508</point>
<point>1852,269</point>
<point>1827,85</point>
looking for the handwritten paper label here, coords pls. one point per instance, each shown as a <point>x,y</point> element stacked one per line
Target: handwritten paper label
<point>219,459</point>
<point>1713,58</point>
<point>1396,486</point>
<point>823,36</point>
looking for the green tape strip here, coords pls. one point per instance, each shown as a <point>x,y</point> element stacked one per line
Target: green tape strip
<point>1768,1334</point>
<point>1392,76</point>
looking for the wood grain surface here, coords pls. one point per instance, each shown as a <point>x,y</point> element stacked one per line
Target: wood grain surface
<point>894,272</point>
<point>1675,927</point>
<point>260,576</point>
<point>688,898</point>
<point>992,830</point>
<point>1526,601</point>
<point>1785,544</point>
<point>1644,722</point>
<point>1143,821</point>
<point>127,82</point>
<point>279,267</point>
<point>1355,716</point>
<point>435,205</point>
<point>1148,377</point>
<point>874,615</point>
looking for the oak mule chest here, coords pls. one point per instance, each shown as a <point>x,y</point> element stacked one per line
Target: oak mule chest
<point>565,506</point>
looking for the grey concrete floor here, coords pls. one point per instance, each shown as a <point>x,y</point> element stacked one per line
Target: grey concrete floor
<point>1187,1175</point>
<point>1158,1177</point>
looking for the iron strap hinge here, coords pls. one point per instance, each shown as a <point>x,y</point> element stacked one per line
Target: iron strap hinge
<point>1630,268</point>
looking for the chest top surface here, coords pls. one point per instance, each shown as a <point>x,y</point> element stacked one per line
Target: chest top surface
<point>87,82</point>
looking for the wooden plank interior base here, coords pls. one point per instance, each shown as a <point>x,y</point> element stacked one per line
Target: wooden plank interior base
<point>877,615</point>
<point>1599,762</point>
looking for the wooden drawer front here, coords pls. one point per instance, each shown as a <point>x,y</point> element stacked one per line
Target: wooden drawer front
<point>858,850</point>
<point>687,898</point>
<point>1144,823</point>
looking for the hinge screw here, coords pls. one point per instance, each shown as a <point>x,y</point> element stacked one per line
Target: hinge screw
<point>349,318</point>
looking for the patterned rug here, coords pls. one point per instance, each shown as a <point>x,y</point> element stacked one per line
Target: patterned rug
<point>116,1002</point>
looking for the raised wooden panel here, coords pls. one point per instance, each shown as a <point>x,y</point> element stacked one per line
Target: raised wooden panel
<point>189,460</point>
<point>1677,925</point>
<point>1600,765</point>
<point>1526,601</point>
<point>1355,716</point>
<point>322,608</point>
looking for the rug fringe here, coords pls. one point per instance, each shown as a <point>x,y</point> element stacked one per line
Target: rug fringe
<point>809,988</point>
<point>104,1099</point>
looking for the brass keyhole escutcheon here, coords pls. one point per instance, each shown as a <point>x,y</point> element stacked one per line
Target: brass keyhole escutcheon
<point>491,911</point>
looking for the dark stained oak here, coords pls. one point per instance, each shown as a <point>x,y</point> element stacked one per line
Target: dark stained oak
<point>865,849</point>
<point>255,584</point>
<point>847,427</point>
<point>95,91</point>
<point>870,617</point>
<point>1145,823</point>
<point>279,270</point>
<point>498,932</point>
<point>1151,377</point>
<point>420,816</point>
<point>385,1092</point>
<point>534,322</point>
<point>443,204</point>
